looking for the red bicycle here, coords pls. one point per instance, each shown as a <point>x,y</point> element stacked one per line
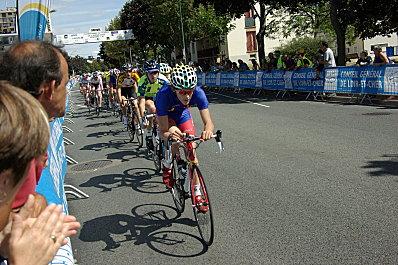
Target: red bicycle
<point>184,186</point>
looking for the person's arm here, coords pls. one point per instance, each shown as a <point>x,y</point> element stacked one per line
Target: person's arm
<point>101,86</point>
<point>141,105</point>
<point>384,58</point>
<point>208,126</point>
<point>166,131</point>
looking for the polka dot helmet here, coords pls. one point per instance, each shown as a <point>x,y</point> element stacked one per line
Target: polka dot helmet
<point>183,77</point>
<point>165,68</point>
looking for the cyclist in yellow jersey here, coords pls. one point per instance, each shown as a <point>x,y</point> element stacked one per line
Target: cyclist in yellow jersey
<point>148,86</point>
<point>126,89</point>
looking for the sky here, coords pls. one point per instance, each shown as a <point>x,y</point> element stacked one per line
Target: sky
<point>78,16</point>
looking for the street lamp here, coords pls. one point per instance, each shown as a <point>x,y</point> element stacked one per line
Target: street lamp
<point>184,56</point>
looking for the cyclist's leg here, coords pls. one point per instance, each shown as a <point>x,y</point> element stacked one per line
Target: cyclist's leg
<point>150,106</point>
<point>99,96</point>
<point>189,128</point>
<point>87,93</point>
<point>111,92</point>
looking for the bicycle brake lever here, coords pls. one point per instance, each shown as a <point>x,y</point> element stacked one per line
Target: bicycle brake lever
<point>221,146</point>
<point>219,142</point>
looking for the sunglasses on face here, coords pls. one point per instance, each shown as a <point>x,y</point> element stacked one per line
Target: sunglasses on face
<point>185,92</point>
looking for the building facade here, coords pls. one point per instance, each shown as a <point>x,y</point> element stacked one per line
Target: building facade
<point>8,21</point>
<point>8,27</point>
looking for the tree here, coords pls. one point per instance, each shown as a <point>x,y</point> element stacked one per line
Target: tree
<point>78,64</point>
<point>370,23</point>
<point>156,24</point>
<point>309,44</point>
<point>236,8</point>
<point>343,14</point>
<point>306,20</point>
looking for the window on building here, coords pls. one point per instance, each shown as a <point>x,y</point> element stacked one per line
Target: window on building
<point>251,43</point>
<point>249,14</point>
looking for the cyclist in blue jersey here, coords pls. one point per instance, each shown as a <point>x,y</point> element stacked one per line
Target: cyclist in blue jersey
<point>173,102</point>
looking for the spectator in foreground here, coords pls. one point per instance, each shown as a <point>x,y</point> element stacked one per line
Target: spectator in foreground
<point>242,65</point>
<point>40,69</point>
<point>380,57</point>
<point>24,136</point>
<point>364,59</point>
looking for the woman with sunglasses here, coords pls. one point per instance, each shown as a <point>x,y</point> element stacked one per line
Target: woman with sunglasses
<point>173,102</point>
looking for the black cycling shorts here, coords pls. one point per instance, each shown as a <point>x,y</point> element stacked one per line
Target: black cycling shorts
<point>127,92</point>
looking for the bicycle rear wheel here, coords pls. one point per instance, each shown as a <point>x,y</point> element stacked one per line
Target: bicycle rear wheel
<point>204,219</point>
<point>177,191</point>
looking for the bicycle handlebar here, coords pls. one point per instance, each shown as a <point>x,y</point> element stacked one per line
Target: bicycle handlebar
<point>192,138</point>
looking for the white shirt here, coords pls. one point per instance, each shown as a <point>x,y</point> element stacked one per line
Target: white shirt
<point>329,58</point>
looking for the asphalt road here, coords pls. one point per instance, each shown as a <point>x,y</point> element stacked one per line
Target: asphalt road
<point>299,183</point>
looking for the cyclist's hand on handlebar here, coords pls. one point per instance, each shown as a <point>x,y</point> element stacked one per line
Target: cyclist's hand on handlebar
<point>206,135</point>
<point>176,135</point>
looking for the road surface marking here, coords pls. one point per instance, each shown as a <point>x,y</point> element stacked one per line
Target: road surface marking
<point>247,101</point>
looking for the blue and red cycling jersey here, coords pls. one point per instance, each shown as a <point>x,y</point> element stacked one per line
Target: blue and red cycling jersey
<point>167,104</point>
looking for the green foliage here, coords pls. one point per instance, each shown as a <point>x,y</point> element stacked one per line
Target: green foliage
<point>205,15</point>
<point>156,25</point>
<point>78,64</point>
<point>309,44</point>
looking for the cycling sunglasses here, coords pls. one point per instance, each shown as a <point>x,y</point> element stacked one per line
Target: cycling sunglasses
<point>185,92</point>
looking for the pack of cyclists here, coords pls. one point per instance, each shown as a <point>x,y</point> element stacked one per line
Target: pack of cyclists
<point>159,89</point>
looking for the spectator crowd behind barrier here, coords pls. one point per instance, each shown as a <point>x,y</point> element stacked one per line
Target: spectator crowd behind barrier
<point>51,184</point>
<point>366,80</point>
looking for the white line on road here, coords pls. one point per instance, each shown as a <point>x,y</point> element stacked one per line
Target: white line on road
<point>247,101</point>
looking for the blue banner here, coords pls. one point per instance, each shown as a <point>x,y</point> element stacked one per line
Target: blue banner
<point>273,80</point>
<point>247,79</point>
<point>33,15</point>
<point>382,80</point>
<point>51,184</point>
<point>210,79</point>
<point>228,79</point>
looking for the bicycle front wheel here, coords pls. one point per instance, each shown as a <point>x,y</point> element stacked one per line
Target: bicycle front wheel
<point>139,130</point>
<point>203,215</point>
<point>131,128</point>
<point>157,152</point>
<point>177,191</point>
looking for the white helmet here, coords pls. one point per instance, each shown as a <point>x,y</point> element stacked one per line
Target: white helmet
<point>183,77</point>
<point>165,68</point>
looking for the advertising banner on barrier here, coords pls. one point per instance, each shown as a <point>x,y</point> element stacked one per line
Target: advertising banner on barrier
<point>211,79</point>
<point>381,80</point>
<point>391,81</point>
<point>201,78</point>
<point>51,183</point>
<point>227,79</point>
<point>274,80</point>
<point>33,15</point>
<point>247,79</point>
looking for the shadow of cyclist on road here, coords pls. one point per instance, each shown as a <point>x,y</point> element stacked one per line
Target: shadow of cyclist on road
<point>139,179</point>
<point>146,220</point>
